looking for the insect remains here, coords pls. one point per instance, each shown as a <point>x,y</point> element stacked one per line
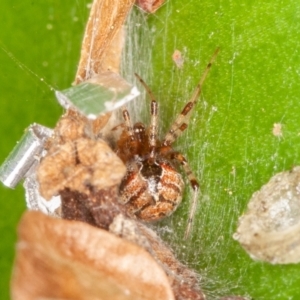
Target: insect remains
<point>152,187</point>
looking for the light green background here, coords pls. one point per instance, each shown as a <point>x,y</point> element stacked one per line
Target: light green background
<point>44,36</point>
<point>253,84</point>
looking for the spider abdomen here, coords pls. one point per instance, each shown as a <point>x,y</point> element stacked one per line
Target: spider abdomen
<point>151,191</point>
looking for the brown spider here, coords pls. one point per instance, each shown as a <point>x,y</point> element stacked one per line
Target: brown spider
<point>152,187</point>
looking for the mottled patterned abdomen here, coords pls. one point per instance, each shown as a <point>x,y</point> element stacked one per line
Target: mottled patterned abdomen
<point>151,191</point>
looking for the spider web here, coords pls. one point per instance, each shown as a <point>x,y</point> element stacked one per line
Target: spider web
<point>221,143</point>
<point>142,32</point>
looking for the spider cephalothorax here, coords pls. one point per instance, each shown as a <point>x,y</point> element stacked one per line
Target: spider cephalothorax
<point>152,187</point>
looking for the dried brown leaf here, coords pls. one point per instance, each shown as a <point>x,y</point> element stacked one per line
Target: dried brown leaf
<point>73,260</point>
<point>77,160</point>
<point>103,38</point>
<point>79,165</point>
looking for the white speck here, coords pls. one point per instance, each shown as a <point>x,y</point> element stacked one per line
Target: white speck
<point>277,129</point>
<point>152,185</point>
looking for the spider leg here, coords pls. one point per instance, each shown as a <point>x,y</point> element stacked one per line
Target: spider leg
<point>126,117</point>
<point>129,143</point>
<point>182,120</point>
<point>195,186</point>
<point>154,118</point>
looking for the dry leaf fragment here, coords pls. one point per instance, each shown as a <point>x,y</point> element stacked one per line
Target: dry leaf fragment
<point>59,259</point>
<point>270,228</point>
<point>77,160</point>
<point>103,38</point>
<point>78,166</point>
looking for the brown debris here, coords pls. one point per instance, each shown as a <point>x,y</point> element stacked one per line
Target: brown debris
<point>98,209</point>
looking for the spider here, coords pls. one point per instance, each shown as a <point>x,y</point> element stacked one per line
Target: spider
<point>152,187</point>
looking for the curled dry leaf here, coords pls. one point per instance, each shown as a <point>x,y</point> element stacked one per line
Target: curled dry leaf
<point>59,259</point>
<point>270,228</point>
<point>103,38</point>
<point>79,165</point>
<point>76,161</point>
